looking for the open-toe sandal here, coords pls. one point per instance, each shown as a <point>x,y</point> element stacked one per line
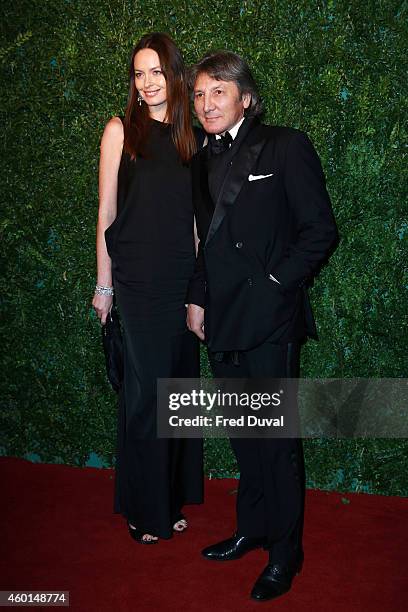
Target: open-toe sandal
<point>139,536</point>
<point>180,525</point>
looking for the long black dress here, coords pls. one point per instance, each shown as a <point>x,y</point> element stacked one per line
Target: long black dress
<point>151,245</point>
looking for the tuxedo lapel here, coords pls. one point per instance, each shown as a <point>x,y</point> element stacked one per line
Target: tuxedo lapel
<point>242,162</point>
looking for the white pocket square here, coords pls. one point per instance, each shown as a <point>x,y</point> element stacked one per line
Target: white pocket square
<point>258,177</point>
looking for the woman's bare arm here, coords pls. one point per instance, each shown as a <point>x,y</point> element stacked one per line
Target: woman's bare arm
<point>111,152</point>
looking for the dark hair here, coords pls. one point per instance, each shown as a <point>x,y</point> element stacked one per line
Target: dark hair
<point>137,124</point>
<point>229,66</point>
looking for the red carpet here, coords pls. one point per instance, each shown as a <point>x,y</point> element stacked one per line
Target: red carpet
<point>59,532</point>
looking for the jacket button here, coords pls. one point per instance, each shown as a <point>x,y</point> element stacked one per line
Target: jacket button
<point>249,282</point>
<point>239,245</point>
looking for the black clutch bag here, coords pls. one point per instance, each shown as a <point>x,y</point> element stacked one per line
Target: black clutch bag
<point>113,348</point>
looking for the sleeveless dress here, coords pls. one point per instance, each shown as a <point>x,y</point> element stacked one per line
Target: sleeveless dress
<point>151,245</point>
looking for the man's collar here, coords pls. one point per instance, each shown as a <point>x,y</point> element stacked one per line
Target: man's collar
<point>233,131</point>
<point>248,125</point>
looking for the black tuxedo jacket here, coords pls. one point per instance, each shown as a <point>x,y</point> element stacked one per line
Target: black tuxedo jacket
<point>261,208</point>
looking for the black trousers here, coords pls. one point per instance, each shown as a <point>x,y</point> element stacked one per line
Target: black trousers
<point>271,493</point>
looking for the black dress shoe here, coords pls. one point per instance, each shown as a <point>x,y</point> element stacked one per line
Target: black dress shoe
<point>233,548</point>
<point>275,580</point>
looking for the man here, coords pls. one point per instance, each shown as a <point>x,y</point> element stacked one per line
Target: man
<point>265,227</point>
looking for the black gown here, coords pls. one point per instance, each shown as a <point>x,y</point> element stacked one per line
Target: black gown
<point>151,245</point>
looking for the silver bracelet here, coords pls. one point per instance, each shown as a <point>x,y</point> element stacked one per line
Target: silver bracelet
<point>100,290</point>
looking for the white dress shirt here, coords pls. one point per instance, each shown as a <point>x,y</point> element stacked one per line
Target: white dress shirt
<point>233,131</point>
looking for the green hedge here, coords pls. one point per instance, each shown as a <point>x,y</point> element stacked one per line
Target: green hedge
<point>332,68</point>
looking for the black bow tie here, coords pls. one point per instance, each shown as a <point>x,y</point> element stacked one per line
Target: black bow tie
<point>219,145</point>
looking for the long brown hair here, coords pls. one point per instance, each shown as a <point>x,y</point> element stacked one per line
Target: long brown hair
<point>137,124</point>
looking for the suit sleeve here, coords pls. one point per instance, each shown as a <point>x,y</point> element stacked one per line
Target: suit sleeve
<point>316,231</point>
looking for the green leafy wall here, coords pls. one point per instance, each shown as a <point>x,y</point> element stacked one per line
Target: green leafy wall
<point>332,68</point>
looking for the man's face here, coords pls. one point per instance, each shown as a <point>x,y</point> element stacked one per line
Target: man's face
<point>218,104</point>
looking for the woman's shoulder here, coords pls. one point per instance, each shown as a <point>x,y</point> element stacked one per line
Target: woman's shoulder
<point>115,125</point>
<point>113,132</point>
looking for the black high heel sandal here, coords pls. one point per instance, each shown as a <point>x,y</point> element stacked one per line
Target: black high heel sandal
<point>180,517</point>
<point>137,535</point>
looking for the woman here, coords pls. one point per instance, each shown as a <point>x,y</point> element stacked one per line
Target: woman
<point>145,243</point>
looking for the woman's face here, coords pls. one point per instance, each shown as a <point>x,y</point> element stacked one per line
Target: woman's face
<point>150,81</point>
